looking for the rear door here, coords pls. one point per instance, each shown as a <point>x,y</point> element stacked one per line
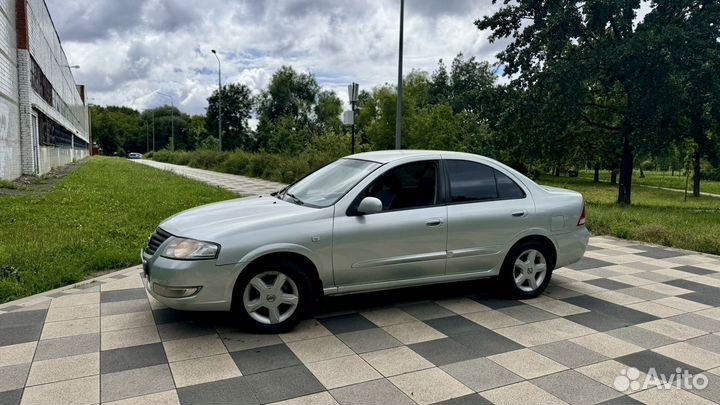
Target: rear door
<point>486,209</point>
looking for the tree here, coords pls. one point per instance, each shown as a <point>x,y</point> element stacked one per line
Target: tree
<point>290,94</point>
<point>327,112</point>
<point>596,63</point>
<point>237,104</point>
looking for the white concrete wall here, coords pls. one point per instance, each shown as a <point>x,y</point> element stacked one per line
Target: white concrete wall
<point>53,157</point>
<point>10,162</point>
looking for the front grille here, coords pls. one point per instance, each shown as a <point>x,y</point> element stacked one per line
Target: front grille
<point>156,240</point>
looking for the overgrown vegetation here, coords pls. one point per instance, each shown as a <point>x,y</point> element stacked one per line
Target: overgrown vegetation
<point>97,218</point>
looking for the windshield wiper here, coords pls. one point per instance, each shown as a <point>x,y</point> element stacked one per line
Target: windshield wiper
<point>291,195</point>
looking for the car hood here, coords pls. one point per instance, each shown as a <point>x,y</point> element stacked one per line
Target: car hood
<point>214,222</point>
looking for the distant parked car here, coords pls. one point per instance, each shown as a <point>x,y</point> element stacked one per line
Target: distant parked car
<point>134,155</point>
<point>370,221</point>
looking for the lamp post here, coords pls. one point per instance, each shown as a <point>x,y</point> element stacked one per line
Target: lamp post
<point>219,101</point>
<point>398,115</point>
<point>153,119</point>
<point>353,98</point>
<point>172,120</point>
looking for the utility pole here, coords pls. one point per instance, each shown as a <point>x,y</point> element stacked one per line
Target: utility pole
<point>353,97</point>
<point>153,118</point>
<point>172,120</point>
<point>398,114</point>
<point>219,101</point>
<point>147,139</point>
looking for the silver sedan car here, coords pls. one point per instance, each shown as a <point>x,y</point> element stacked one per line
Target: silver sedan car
<point>370,221</point>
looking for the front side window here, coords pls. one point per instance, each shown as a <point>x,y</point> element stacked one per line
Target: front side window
<point>328,184</point>
<point>412,185</point>
<point>472,181</point>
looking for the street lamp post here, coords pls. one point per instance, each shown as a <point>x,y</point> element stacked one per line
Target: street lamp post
<point>172,120</point>
<point>153,119</point>
<point>353,98</point>
<point>398,115</point>
<point>219,100</point>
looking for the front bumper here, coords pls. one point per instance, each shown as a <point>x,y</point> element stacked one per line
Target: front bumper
<point>210,286</point>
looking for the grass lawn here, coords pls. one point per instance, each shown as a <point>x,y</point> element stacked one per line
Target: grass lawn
<point>97,218</point>
<point>660,179</point>
<point>656,216</point>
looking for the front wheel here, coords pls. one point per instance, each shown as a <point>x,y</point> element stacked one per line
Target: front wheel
<point>272,297</point>
<point>527,270</point>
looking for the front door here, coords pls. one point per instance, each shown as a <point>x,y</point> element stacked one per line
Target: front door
<point>407,240</point>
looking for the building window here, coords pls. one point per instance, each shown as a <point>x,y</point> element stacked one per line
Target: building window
<point>40,82</point>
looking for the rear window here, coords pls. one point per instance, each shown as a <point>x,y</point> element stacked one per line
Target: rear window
<point>472,181</point>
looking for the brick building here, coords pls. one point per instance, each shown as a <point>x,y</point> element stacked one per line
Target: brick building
<point>43,112</point>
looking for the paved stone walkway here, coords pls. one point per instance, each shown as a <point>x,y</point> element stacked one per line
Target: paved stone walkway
<point>239,184</point>
<point>625,305</point>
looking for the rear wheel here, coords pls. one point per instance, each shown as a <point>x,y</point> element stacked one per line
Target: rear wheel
<point>272,296</point>
<point>527,270</point>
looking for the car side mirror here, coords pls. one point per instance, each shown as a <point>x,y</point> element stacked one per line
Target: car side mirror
<point>369,205</point>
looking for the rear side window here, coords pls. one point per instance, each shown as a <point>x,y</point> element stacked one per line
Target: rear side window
<point>472,181</point>
<point>507,188</point>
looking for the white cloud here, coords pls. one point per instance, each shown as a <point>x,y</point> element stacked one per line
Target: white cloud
<point>127,52</point>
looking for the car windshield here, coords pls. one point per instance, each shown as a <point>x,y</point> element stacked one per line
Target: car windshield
<point>325,186</point>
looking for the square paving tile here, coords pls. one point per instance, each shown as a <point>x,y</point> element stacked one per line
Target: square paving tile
<point>368,340</point>
<point>493,319</point>
<point>444,351</point>
<point>455,325</point>
<point>388,316</point>
<point>641,337</point>
<point>17,354</point>
<point>429,386</point>
<point>342,371</point>
<point>346,323</point>
<point>707,342</point>
<point>168,397</point>
<point>413,332</point>
<point>123,295</point>
<point>669,396</point>
<point>527,364</point>
<point>129,337</point>
<point>697,321</point>
<point>124,307</point>
<point>672,329</point>
<point>235,341</point>
<point>647,359</point>
<point>689,354</point>
<point>128,358</point>
<point>607,345</point>
<point>136,382</point>
<point>64,368</point>
<point>519,393</point>
<point>67,346</point>
<point>462,305</point>
<point>202,370</point>
<point>574,388</point>
<point>20,334</point>
<point>481,374</point>
<point>308,329</point>
<point>487,343</point>
<point>72,327</point>
<point>569,354</point>
<point>13,377</point>
<point>527,313</point>
<point>608,284</point>
<point>229,391</point>
<point>283,383</point>
<point>323,348</point>
<point>399,360</point>
<point>79,391</point>
<point>376,392</point>
<point>126,321</point>
<point>184,330</point>
<point>264,358</point>
<point>190,348</point>
<point>11,397</point>
<point>426,310</point>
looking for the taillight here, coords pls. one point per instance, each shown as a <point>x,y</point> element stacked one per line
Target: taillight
<point>581,221</point>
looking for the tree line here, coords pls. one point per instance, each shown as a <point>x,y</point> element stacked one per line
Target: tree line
<point>588,86</point>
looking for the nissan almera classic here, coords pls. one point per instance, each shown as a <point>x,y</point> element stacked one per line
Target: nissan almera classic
<point>370,221</point>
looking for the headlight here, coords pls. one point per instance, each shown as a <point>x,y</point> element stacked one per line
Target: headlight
<point>188,249</point>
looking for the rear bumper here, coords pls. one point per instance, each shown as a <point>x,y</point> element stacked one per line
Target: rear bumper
<point>571,246</point>
<point>214,282</point>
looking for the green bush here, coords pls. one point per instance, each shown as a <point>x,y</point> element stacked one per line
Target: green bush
<point>284,168</point>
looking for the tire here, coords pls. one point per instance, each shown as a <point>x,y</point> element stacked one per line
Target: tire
<point>257,288</point>
<point>517,266</point>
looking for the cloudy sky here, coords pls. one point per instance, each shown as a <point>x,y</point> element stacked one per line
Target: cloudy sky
<point>128,50</point>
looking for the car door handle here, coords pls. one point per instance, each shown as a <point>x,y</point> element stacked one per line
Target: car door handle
<point>434,222</point>
<point>520,213</point>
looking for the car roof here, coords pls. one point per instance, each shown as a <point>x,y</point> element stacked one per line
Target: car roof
<point>386,156</point>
